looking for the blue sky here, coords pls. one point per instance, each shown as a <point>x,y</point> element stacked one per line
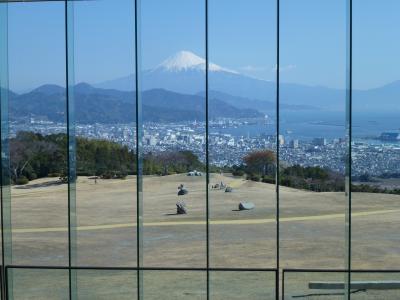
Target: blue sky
<point>242,37</point>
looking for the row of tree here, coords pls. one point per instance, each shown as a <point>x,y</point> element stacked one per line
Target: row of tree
<point>36,156</point>
<point>261,166</point>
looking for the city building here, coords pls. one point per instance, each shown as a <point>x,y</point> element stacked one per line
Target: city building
<point>294,144</point>
<point>281,140</point>
<point>319,141</point>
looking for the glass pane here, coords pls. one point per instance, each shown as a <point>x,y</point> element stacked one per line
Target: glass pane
<point>375,147</point>
<point>242,285</point>
<point>242,130</point>
<point>174,185</point>
<point>38,284</point>
<point>37,111</point>
<point>105,128</point>
<point>5,208</point>
<point>174,285</point>
<point>310,285</point>
<point>312,133</point>
<point>107,284</point>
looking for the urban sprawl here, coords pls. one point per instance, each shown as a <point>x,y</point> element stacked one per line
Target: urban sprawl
<point>226,149</point>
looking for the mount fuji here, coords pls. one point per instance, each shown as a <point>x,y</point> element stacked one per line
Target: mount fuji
<point>184,72</point>
<point>188,61</point>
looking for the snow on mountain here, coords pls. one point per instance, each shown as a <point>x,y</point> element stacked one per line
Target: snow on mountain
<point>186,60</point>
<point>184,72</point>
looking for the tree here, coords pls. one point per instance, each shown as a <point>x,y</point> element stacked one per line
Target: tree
<point>36,156</point>
<point>260,162</point>
<point>28,149</point>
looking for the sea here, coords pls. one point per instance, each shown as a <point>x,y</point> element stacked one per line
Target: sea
<point>307,125</point>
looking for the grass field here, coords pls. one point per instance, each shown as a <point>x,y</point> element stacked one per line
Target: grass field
<point>312,230</point>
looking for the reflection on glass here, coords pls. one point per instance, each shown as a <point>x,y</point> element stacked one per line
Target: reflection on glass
<point>174,285</point>
<point>39,284</point>
<point>304,285</point>
<point>330,285</point>
<point>106,284</point>
<point>375,285</point>
<point>242,285</point>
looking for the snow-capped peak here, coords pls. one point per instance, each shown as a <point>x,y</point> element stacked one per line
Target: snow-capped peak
<point>186,60</point>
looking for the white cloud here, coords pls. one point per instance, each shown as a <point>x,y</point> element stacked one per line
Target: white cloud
<point>284,68</point>
<point>250,68</point>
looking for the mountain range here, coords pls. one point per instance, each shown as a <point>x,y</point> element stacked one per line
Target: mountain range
<point>94,105</point>
<point>174,91</point>
<point>184,72</point>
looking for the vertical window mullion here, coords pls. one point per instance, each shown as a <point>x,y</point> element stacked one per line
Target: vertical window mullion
<point>71,144</point>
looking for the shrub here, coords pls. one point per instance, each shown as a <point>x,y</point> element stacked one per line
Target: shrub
<point>268,179</point>
<point>239,173</point>
<point>31,176</point>
<point>255,178</point>
<point>120,175</point>
<point>54,175</point>
<point>107,175</point>
<point>21,180</point>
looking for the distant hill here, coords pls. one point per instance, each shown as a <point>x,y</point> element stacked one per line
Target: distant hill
<point>382,99</point>
<point>174,91</point>
<point>184,72</point>
<point>264,106</point>
<point>95,105</point>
